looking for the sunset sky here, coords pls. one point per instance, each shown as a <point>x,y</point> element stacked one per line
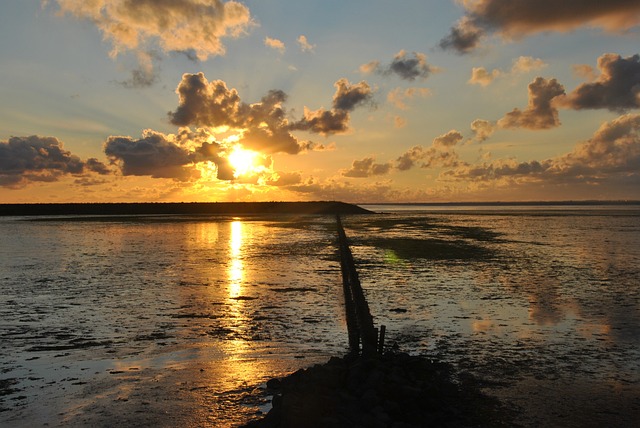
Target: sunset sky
<point>360,101</point>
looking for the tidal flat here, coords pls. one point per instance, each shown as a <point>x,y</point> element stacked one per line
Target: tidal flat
<point>182,322</point>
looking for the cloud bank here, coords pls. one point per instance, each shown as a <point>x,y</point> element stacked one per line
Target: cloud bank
<point>611,155</point>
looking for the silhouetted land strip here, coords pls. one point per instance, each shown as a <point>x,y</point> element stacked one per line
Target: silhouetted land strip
<point>189,208</point>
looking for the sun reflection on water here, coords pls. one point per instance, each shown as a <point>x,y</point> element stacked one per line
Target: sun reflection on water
<point>236,265</point>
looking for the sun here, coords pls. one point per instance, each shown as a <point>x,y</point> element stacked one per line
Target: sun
<point>243,161</point>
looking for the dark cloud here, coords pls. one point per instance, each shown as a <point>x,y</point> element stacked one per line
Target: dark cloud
<point>617,88</point>
<point>204,103</point>
<point>34,158</point>
<point>324,122</point>
<point>336,120</point>
<point>367,167</point>
<point>465,37</point>
<point>348,96</point>
<point>540,112</point>
<point>153,155</point>
<point>407,67</point>
<point>511,19</point>
<point>264,124</point>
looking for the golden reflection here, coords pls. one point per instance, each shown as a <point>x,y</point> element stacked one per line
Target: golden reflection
<point>236,266</point>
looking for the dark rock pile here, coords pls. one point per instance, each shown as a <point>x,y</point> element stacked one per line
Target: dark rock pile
<point>396,390</point>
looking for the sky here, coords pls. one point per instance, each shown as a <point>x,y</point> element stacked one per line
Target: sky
<point>359,101</point>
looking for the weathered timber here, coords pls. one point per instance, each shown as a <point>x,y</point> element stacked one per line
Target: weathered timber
<point>359,320</point>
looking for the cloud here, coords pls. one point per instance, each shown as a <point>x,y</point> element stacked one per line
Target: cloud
<point>482,129</point>
<point>367,167</point>
<point>184,157</point>
<point>398,97</point>
<point>205,103</point>
<point>284,179</point>
<point>146,74</point>
<point>304,44</point>
<point>369,67</point>
<point>399,122</point>
<point>465,37</point>
<point>441,153</point>
<point>35,158</point>
<point>584,71</point>
<point>263,125</point>
<point>274,44</point>
<point>617,88</point>
<point>480,76</point>
<point>523,64</point>
<point>404,66</point>
<point>614,148</point>
<point>540,112</point>
<point>449,139</point>
<point>346,98</point>
<point>172,25</point>
<point>511,19</point>
<point>324,122</point>
<point>410,158</point>
<point>195,28</point>
<point>155,155</point>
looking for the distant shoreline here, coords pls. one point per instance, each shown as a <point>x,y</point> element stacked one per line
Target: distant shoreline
<point>177,208</point>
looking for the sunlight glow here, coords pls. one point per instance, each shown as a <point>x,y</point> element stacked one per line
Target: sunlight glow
<point>243,161</point>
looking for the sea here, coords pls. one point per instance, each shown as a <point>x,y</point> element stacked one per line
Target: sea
<point>181,320</point>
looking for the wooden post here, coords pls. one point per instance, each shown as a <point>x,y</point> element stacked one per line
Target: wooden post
<point>383,329</point>
<point>359,320</point>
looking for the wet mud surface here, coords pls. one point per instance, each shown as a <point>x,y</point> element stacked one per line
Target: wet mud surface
<point>184,323</point>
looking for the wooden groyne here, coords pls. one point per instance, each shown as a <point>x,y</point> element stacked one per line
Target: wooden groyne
<point>359,320</point>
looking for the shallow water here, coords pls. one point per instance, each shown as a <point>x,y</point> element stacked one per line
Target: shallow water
<point>179,320</point>
<point>222,303</point>
<point>544,305</point>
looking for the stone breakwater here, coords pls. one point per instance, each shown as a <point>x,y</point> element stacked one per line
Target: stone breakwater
<point>396,390</point>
